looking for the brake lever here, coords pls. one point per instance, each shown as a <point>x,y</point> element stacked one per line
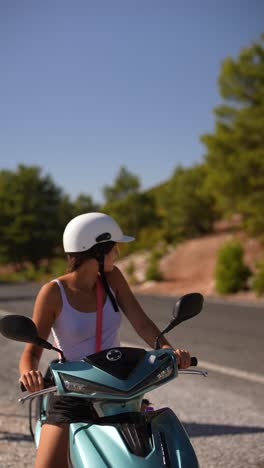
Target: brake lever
<point>30,396</point>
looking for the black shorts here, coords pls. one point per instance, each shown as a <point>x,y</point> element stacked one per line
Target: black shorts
<point>66,409</point>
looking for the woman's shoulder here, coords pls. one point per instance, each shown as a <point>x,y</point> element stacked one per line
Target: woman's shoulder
<point>47,305</point>
<point>115,278</point>
<point>50,292</point>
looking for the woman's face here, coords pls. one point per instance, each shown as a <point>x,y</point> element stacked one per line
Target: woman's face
<point>110,258</point>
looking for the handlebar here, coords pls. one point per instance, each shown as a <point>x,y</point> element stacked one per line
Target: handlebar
<point>194,361</point>
<point>50,387</point>
<point>30,396</point>
<point>47,383</point>
<point>22,387</point>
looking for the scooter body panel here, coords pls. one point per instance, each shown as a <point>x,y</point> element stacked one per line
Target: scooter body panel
<point>104,446</point>
<point>103,384</point>
<point>38,427</point>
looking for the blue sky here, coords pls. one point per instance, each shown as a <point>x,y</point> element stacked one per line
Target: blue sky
<point>87,86</point>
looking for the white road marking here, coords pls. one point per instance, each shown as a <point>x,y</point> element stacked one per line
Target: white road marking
<point>254,304</point>
<point>250,376</point>
<point>235,302</point>
<point>258,378</point>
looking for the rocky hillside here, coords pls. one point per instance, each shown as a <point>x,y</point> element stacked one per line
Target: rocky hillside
<point>190,266</point>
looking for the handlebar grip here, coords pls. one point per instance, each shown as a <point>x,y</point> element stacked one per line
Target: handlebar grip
<point>194,361</point>
<point>47,383</point>
<point>22,387</point>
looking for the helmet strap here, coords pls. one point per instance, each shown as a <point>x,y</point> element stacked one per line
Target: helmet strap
<point>106,285</point>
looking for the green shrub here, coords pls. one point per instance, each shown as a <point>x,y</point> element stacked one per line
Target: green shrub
<point>10,277</point>
<point>147,238</point>
<point>231,273</point>
<point>130,271</point>
<point>153,272</point>
<point>46,271</point>
<point>258,280</point>
<point>57,267</point>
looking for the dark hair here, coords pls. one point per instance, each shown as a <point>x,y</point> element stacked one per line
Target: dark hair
<point>75,260</point>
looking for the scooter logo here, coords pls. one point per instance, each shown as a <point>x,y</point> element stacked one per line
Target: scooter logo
<point>114,355</point>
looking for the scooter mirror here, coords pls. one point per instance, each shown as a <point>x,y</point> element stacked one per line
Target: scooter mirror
<point>187,307</point>
<point>20,328</point>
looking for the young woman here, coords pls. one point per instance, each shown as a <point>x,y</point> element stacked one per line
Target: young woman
<point>67,307</point>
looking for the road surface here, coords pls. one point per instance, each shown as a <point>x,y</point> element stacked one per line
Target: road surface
<point>224,413</point>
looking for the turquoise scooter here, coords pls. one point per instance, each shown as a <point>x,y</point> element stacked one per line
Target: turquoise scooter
<point>115,381</point>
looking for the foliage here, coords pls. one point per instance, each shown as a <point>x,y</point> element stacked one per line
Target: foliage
<point>188,210</point>
<point>131,272</point>
<point>149,237</point>
<point>84,204</point>
<point>33,215</point>
<point>124,184</point>
<point>45,271</point>
<point>30,215</point>
<point>153,272</point>
<point>136,214</point>
<point>235,151</point>
<point>258,279</point>
<point>56,267</point>
<point>231,273</point>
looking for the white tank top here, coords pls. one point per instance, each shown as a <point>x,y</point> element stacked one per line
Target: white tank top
<point>74,332</point>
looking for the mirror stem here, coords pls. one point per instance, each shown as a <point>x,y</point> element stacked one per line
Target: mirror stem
<point>62,357</point>
<point>157,341</point>
<point>45,344</point>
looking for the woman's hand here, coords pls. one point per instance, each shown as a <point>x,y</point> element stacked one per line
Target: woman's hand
<point>32,380</point>
<point>183,357</point>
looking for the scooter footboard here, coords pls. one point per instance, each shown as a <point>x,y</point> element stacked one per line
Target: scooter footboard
<point>153,439</point>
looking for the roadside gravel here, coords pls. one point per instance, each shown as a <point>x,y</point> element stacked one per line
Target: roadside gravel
<point>16,447</point>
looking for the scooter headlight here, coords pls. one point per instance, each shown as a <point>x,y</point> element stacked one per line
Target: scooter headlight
<point>73,384</point>
<point>165,372</point>
<point>77,385</point>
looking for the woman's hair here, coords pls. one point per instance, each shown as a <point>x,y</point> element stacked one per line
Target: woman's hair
<point>75,260</point>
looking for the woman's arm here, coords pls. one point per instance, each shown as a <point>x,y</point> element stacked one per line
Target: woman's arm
<point>143,325</point>
<point>46,308</point>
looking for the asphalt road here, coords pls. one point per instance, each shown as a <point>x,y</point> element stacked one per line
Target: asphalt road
<point>224,413</point>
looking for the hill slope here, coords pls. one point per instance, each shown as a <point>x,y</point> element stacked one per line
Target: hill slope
<point>190,266</point>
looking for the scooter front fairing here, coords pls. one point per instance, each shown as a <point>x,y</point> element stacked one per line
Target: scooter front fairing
<point>123,436</point>
<point>140,440</point>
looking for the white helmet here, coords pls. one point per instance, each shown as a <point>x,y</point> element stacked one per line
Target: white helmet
<point>86,230</point>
